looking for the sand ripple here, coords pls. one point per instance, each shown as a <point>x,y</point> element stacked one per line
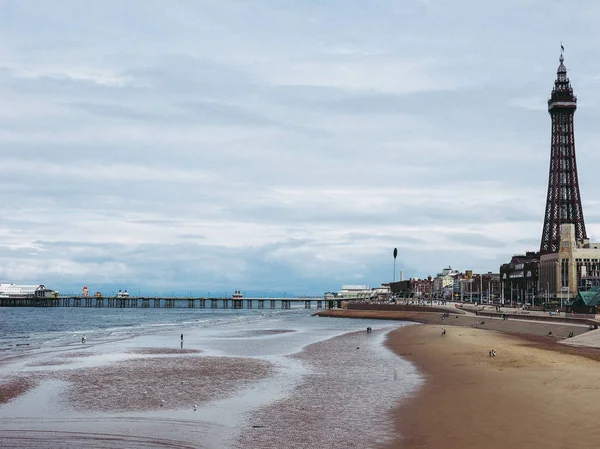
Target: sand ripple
<point>143,384</point>
<point>15,387</point>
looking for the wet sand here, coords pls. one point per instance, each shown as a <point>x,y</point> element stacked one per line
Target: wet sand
<point>144,401</point>
<point>164,351</point>
<point>335,399</point>
<point>160,382</point>
<point>15,387</point>
<point>534,393</point>
<point>340,402</point>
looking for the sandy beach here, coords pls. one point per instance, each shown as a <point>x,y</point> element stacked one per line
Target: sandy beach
<point>530,395</point>
<point>345,391</point>
<point>536,392</point>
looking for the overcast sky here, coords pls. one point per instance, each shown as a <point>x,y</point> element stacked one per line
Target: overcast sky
<point>282,146</point>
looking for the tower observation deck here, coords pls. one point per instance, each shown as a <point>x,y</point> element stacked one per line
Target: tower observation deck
<point>563,201</point>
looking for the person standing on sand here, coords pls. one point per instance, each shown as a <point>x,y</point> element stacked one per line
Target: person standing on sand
<point>443,332</point>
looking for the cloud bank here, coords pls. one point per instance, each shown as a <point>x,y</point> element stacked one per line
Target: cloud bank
<point>277,147</point>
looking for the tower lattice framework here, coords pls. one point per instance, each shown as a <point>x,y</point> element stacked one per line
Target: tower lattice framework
<point>563,202</point>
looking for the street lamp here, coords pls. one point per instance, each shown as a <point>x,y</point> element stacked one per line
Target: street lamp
<point>395,255</point>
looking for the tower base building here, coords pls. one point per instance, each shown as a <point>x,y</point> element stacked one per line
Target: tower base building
<point>575,267</point>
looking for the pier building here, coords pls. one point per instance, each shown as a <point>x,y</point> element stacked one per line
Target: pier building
<point>25,291</point>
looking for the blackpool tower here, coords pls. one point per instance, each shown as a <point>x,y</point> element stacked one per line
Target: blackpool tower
<point>563,202</point>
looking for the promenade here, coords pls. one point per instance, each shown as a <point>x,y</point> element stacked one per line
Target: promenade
<point>533,323</point>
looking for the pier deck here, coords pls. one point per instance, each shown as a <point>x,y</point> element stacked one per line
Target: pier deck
<point>168,302</point>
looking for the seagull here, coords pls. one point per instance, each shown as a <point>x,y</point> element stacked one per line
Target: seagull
<point>145,392</point>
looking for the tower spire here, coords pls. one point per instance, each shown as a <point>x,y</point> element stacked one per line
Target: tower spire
<point>563,201</point>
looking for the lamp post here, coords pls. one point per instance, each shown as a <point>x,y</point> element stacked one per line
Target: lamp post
<point>480,289</point>
<point>470,290</point>
<point>395,255</point>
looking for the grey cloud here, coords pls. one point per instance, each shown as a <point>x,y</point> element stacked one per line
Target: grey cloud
<point>188,96</point>
<point>476,240</point>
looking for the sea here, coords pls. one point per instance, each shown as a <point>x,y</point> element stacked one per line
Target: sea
<point>330,383</point>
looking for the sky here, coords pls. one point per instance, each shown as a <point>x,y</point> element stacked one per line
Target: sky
<point>284,146</point>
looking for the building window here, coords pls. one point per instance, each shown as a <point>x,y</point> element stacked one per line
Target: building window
<point>564,272</point>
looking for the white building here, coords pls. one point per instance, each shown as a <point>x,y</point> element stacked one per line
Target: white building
<point>444,280</point>
<point>354,292</point>
<point>16,290</point>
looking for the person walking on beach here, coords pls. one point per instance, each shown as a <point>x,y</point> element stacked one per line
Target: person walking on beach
<point>83,339</point>
<point>181,341</point>
<point>443,332</point>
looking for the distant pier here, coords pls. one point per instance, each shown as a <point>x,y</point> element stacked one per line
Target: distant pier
<point>144,302</point>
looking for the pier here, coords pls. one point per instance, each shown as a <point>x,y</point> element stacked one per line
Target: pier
<point>170,302</point>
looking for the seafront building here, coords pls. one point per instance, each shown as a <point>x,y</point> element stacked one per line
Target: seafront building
<point>360,293</point>
<point>444,281</point>
<point>451,284</point>
<point>25,291</point>
<point>520,278</point>
<point>477,287</point>
<point>574,267</point>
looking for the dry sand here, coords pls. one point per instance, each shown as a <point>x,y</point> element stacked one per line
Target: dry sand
<point>533,394</point>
